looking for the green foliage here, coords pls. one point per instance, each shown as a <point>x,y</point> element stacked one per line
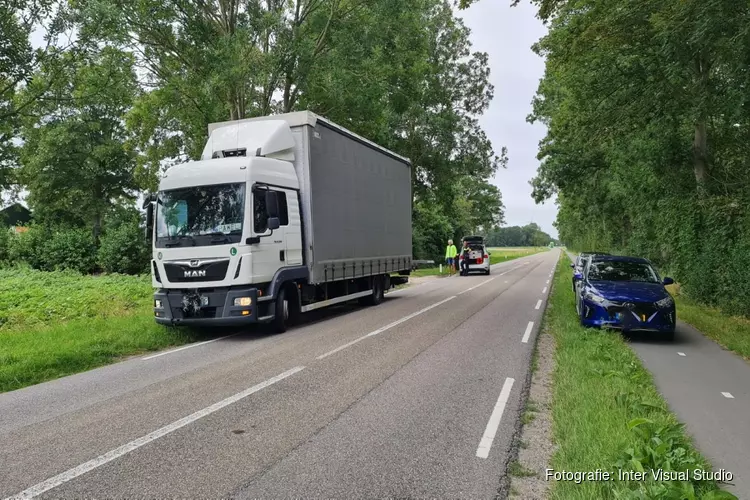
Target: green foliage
<point>72,249</point>
<point>18,61</point>
<point>54,324</point>
<point>431,232</point>
<point>5,236</point>
<point>76,162</point>
<point>646,146</point>
<point>124,249</point>
<point>31,299</point>
<point>530,235</point>
<point>27,247</point>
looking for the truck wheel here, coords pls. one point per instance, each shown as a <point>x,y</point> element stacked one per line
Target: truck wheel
<point>282,309</point>
<point>377,292</point>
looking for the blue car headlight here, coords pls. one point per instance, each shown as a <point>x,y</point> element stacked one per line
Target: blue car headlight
<point>665,302</point>
<point>595,298</point>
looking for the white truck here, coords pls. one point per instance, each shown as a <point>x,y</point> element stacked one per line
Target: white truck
<point>281,215</point>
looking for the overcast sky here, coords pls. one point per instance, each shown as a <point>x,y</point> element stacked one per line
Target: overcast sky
<point>506,34</point>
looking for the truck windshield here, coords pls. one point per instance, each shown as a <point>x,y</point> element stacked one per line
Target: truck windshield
<point>201,215</point>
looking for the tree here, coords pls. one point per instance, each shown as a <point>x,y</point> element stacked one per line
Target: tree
<point>518,236</point>
<point>646,148</point>
<point>77,162</point>
<point>18,62</point>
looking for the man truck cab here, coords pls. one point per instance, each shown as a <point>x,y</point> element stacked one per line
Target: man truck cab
<point>281,215</point>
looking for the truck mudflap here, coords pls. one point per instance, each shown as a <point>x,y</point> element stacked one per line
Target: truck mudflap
<point>217,307</point>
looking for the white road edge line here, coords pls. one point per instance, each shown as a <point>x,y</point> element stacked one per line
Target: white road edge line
<point>188,347</point>
<point>527,333</point>
<point>476,286</point>
<point>727,395</point>
<point>386,327</point>
<point>73,473</point>
<point>483,451</point>
<point>680,353</point>
<point>538,304</point>
<point>544,290</point>
<point>547,282</point>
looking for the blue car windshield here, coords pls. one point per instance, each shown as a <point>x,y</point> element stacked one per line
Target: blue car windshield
<point>613,270</point>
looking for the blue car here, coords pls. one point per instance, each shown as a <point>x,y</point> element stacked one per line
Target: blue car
<point>625,293</point>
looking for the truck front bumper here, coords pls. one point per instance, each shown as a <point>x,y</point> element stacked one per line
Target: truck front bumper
<point>216,307</point>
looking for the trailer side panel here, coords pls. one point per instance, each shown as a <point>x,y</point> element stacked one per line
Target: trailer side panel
<point>360,200</point>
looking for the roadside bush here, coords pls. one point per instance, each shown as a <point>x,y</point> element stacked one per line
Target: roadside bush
<point>72,249</point>
<point>4,247</point>
<point>123,249</point>
<point>27,247</point>
<point>430,232</point>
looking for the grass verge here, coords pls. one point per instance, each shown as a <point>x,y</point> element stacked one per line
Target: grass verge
<point>608,415</point>
<point>57,324</point>
<point>731,332</point>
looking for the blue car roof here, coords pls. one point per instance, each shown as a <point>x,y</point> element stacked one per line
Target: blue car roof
<point>620,258</point>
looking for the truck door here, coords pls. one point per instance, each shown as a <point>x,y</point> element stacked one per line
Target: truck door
<point>269,254</point>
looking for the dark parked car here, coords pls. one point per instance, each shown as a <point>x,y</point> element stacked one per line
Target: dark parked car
<point>625,293</point>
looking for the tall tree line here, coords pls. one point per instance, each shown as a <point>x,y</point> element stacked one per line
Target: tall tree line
<point>88,121</point>
<point>648,113</point>
<point>530,235</point>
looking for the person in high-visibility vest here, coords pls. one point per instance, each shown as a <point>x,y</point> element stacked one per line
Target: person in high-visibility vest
<point>464,260</point>
<point>450,257</point>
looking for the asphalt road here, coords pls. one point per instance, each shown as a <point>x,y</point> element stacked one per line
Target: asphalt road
<point>708,388</point>
<point>417,397</point>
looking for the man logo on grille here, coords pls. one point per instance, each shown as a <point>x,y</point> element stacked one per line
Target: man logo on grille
<point>195,263</point>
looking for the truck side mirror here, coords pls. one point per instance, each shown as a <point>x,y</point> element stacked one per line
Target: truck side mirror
<point>150,222</point>
<point>274,223</point>
<point>272,206</point>
<point>148,200</point>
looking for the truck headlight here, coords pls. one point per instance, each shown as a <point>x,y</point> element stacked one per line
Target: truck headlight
<point>157,304</point>
<point>242,301</point>
<point>665,302</point>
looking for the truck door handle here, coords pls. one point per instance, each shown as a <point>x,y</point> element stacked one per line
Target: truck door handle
<point>281,255</point>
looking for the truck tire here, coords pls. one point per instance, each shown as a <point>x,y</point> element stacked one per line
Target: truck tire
<point>285,310</point>
<point>377,292</point>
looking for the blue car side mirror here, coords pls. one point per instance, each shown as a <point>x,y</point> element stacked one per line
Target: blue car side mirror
<point>578,276</point>
<point>668,281</point>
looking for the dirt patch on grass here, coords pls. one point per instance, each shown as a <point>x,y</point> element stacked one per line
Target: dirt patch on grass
<point>536,447</point>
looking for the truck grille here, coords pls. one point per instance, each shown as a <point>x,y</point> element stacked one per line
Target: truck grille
<point>182,273</point>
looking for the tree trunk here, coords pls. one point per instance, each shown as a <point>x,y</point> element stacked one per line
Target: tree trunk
<point>700,138</point>
<point>700,154</point>
<point>97,230</point>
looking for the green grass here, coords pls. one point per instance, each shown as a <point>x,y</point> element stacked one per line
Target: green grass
<point>732,332</point>
<point>57,324</point>
<point>31,298</point>
<point>607,413</point>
